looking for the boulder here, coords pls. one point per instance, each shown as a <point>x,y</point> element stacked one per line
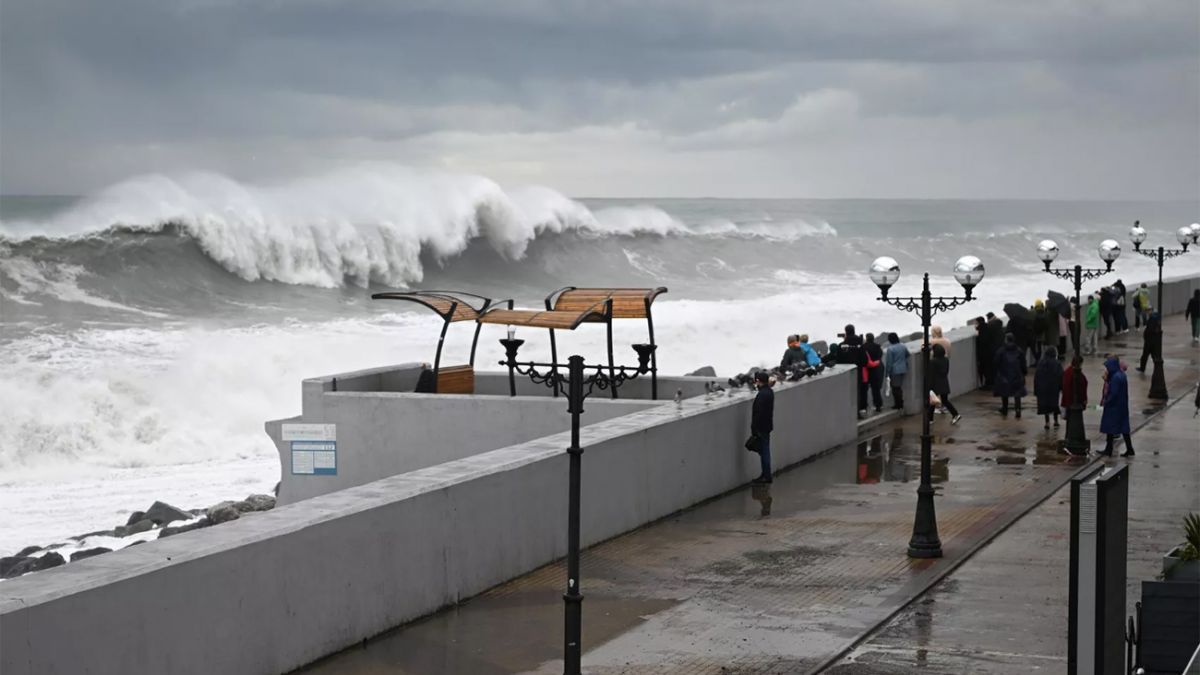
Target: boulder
<point>29,549</point>
<point>180,529</point>
<point>821,347</point>
<point>255,503</point>
<point>88,553</point>
<point>136,516</point>
<point>223,513</point>
<point>706,371</point>
<point>143,525</point>
<point>161,514</point>
<point>28,565</point>
<point>8,563</point>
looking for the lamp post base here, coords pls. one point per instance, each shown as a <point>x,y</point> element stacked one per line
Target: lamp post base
<point>1158,383</point>
<point>925,542</point>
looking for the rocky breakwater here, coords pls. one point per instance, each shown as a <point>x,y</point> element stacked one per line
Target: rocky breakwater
<point>160,520</point>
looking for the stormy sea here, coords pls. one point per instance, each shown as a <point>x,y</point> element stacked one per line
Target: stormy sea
<point>148,330</point>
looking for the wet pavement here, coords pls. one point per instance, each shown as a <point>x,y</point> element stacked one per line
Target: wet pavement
<point>785,578</point>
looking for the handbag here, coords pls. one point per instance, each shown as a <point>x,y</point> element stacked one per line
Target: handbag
<point>753,444</point>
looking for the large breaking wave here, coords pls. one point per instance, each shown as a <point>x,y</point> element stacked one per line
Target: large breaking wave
<point>371,224</point>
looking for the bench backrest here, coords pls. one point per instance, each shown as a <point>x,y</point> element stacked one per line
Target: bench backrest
<point>626,304</point>
<point>456,380</point>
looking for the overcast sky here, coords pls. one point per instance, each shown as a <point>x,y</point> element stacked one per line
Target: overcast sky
<point>788,98</point>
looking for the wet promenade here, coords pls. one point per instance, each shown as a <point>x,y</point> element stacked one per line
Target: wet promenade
<point>786,578</point>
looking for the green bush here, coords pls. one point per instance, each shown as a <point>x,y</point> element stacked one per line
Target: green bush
<point>1191,529</point>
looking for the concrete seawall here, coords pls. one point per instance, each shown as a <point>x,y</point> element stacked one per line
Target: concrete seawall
<point>274,591</point>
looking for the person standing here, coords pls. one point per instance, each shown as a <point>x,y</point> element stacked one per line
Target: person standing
<point>1040,320</point>
<point>1047,385</point>
<point>850,352</point>
<point>939,382</point>
<point>980,350</point>
<point>1120,319</point>
<point>1106,311</point>
<point>895,366</point>
<point>874,370</point>
<point>1091,325</point>
<point>1192,313</point>
<point>937,338</point>
<point>1141,306</point>
<point>1011,369</point>
<point>995,333</point>
<point>762,423</point>
<point>1115,419</point>
<point>1152,339</point>
<point>1074,396</point>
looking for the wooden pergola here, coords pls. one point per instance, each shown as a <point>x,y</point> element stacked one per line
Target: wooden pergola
<point>570,307</point>
<point>451,306</point>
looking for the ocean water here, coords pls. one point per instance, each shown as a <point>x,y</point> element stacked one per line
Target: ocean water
<point>147,331</point>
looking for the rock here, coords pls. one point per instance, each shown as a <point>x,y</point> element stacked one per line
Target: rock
<point>223,513</point>
<point>180,529</point>
<point>8,563</point>
<point>143,525</point>
<point>120,531</point>
<point>91,552</point>
<point>136,516</point>
<point>706,371</point>
<point>197,512</point>
<point>35,565</point>
<point>161,514</point>
<point>255,503</point>
<point>29,549</point>
<point>821,347</point>
<point>136,543</point>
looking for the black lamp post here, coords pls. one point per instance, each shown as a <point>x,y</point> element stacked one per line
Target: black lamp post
<point>1076,441</point>
<point>1184,235</point>
<point>576,385</point>
<point>885,271</point>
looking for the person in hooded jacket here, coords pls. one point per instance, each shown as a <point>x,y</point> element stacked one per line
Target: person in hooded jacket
<point>995,340</point>
<point>874,370</point>
<point>939,382</point>
<point>1011,369</point>
<point>1152,339</point>
<point>1047,385</point>
<point>794,357</point>
<point>1120,318</point>
<point>1040,319</point>
<point>1115,419</point>
<point>810,354</point>
<point>1106,300</point>
<point>895,365</point>
<point>1091,325</point>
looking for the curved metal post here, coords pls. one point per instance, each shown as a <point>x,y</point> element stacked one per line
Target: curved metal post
<point>653,355</point>
<point>553,348</point>
<point>612,369</point>
<point>437,358</point>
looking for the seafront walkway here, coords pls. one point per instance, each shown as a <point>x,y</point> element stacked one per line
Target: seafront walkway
<point>787,578</point>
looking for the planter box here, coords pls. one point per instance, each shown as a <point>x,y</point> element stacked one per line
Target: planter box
<point>1175,569</point>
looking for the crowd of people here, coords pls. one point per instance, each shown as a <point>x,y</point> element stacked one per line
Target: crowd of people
<point>1036,336</point>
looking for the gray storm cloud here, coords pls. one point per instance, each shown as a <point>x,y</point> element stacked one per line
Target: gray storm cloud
<point>704,97</point>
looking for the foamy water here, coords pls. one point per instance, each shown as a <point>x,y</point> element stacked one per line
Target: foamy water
<point>139,363</point>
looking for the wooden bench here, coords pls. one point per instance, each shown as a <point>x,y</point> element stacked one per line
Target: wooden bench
<point>456,380</point>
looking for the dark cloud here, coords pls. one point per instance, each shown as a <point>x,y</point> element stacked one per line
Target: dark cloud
<point>90,91</point>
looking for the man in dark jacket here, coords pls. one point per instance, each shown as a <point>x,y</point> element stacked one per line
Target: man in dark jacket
<point>1011,368</point>
<point>762,422</point>
<point>994,330</point>
<point>1152,339</point>
<point>1106,303</point>
<point>851,353</point>
<point>1120,318</point>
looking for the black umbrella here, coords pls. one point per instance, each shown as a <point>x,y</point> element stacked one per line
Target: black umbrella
<point>1018,312</point>
<point>1057,302</point>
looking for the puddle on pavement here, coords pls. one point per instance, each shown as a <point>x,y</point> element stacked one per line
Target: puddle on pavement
<point>490,635</point>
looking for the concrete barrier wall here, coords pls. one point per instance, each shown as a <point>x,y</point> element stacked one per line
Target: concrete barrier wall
<point>274,591</point>
<point>382,434</point>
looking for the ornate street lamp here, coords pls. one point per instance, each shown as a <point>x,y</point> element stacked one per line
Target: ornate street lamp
<point>576,385</point>
<point>885,272</point>
<point>1185,235</point>
<point>1076,441</point>
<point>1195,228</point>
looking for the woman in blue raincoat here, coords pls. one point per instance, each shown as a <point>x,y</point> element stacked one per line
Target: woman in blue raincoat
<point>1115,419</point>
